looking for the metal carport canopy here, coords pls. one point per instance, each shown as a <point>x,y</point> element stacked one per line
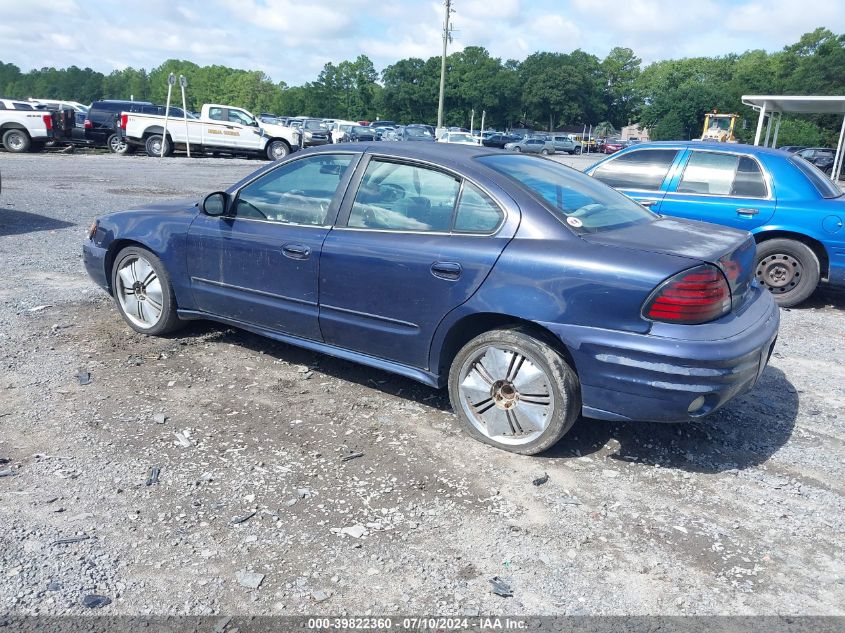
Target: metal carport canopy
<point>771,105</point>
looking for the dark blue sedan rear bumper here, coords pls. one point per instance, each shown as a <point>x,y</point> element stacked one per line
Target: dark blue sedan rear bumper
<point>658,376</point>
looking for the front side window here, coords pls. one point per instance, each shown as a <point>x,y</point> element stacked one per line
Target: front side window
<point>581,202</point>
<point>299,192</point>
<point>643,169</point>
<point>239,117</point>
<point>395,196</point>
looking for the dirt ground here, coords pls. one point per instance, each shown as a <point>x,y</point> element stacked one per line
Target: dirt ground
<point>253,442</point>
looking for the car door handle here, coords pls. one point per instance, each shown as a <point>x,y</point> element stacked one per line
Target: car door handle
<point>296,251</point>
<point>747,211</point>
<point>648,203</point>
<point>446,270</point>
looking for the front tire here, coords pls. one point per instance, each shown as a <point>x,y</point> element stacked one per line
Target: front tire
<point>514,391</point>
<point>16,141</point>
<point>153,146</point>
<point>276,150</point>
<point>143,292</point>
<point>578,150</point>
<point>544,152</point>
<point>788,269</point>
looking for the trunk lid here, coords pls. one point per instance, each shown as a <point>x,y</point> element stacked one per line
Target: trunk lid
<point>733,251</point>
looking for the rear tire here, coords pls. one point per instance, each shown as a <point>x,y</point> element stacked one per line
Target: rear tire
<point>118,145</point>
<point>544,152</point>
<point>153,146</point>
<point>789,269</point>
<point>577,150</point>
<point>16,141</point>
<point>514,391</point>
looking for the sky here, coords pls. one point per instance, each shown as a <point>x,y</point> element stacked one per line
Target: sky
<point>291,40</point>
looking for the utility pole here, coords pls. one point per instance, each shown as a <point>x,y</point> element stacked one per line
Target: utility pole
<point>447,37</point>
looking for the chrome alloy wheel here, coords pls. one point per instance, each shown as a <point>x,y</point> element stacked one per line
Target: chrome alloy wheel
<point>139,292</point>
<point>117,144</point>
<point>506,395</point>
<point>16,142</point>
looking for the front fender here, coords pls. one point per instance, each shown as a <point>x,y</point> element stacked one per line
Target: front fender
<point>162,231</point>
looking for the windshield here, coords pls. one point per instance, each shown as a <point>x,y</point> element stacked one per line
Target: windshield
<point>461,137</point>
<point>822,183</point>
<point>720,123</point>
<point>583,203</point>
<point>360,129</point>
<point>315,125</point>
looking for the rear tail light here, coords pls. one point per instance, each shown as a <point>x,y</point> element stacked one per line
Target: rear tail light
<point>88,125</point>
<point>693,296</point>
<point>48,121</point>
<point>123,119</point>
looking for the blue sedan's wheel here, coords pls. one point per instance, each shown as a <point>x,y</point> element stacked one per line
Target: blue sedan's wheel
<point>142,289</point>
<point>788,269</point>
<point>514,391</point>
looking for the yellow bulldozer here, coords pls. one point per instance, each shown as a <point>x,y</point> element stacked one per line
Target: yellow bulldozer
<point>719,127</point>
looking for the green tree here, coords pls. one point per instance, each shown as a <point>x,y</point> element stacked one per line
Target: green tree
<point>620,69</point>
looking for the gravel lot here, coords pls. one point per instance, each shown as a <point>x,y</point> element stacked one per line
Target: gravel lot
<point>740,513</point>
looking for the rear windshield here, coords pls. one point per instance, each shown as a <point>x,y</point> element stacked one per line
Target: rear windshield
<point>582,202</point>
<point>822,183</point>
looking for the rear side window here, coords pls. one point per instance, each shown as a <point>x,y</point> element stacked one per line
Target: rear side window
<point>216,114</point>
<point>707,173</point>
<point>477,213</point>
<point>749,182</point>
<point>643,169</point>
<point>398,197</point>
<point>22,106</point>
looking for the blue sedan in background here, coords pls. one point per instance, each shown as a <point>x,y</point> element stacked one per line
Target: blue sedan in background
<point>532,291</point>
<point>794,211</point>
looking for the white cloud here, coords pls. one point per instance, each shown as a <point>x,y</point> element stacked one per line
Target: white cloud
<point>291,40</point>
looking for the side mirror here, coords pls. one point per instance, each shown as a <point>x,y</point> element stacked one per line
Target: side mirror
<point>216,203</point>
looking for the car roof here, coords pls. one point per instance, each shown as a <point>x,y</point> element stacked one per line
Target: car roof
<point>729,148</point>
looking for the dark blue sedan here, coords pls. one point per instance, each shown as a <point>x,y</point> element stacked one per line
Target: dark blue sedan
<point>534,292</point>
<point>794,211</point>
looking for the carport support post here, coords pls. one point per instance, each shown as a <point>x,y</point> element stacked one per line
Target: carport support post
<point>777,129</point>
<point>837,160</point>
<point>760,124</point>
<point>768,129</point>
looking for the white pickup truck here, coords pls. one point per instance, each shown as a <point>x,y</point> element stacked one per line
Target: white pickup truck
<point>24,128</point>
<point>220,128</point>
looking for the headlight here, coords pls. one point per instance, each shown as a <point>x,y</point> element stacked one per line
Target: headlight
<point>307,134</point>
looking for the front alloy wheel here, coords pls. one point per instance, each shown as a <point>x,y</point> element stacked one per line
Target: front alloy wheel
<point>143,292</point>
<point>514,391</point>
